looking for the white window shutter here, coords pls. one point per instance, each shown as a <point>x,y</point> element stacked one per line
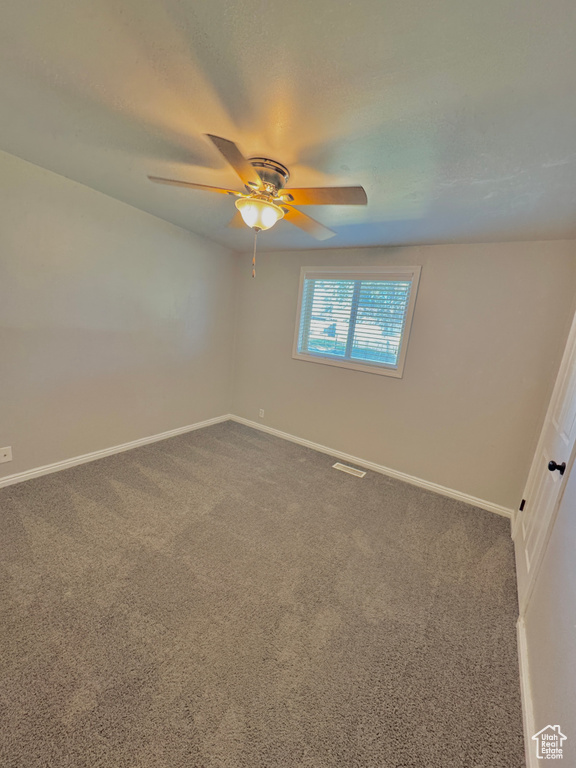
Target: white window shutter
<point>356,318</point>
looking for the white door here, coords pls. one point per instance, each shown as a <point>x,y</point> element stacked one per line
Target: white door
<point>532,525</point>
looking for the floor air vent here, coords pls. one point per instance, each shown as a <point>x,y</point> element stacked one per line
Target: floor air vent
<point>350,470</point>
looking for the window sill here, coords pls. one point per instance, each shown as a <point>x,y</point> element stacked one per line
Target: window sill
<point>381,370</point>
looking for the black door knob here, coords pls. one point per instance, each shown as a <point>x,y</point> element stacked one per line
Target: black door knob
<point>560,467</point>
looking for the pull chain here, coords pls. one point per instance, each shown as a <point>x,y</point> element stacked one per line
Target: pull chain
<point>256,230</point>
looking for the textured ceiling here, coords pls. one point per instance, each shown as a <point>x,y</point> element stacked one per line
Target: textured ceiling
<point>457,116</point>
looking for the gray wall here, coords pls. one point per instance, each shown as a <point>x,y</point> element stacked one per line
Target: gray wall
<point>488,331</point>
<point>114,325</point>
<point>550,625</point>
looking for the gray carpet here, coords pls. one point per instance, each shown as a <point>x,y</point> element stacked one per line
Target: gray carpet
<point>225,599</point>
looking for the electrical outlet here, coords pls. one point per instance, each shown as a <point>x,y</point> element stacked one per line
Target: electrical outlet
<point>261,413</point>
<point>5,454</point>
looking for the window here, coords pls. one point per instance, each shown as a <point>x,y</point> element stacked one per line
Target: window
<point>356,317</point>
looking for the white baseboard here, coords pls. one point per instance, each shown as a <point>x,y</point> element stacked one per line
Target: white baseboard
<point>526,695</point>
<point>441,489</point>
<point>85,458</point>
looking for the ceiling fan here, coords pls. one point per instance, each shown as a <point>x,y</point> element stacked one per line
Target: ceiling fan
<point>266,200</point>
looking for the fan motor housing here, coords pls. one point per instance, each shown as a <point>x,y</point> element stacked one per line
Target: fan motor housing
<point>270,171</point>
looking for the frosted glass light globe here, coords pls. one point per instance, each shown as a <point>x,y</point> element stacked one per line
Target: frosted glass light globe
<point>258,213</point>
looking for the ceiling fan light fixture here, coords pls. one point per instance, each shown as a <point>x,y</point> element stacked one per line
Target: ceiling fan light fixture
<point>265,199</point>
<point>259,213</point>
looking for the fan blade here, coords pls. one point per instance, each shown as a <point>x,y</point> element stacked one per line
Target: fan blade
<point>191,185</point>
<point>237,222</point>
<point>326,196</point>
<point>232,154</point>
<point>313,227</point>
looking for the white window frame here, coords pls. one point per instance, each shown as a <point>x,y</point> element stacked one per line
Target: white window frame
<point>411,274</point>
